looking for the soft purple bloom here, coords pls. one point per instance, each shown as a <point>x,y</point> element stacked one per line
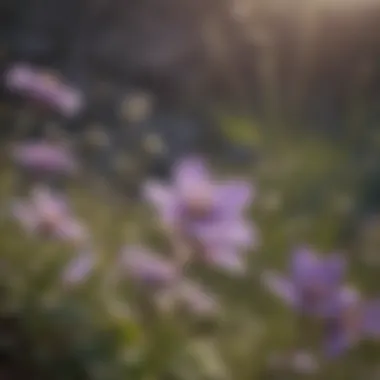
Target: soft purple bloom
<point>355,319</point>
<point>279,285</point>
<point>44,87</point>
<point>316,271</point>
<point>79,268</point>
<point>206,212</point>
<point>48,214</point>
<point>145,266</point>
<point>342,329</point>
<point>313,284</point>
<point>72,230</point>
<point>226,259</point>
<point>231,233</point>
<point>371,318</point>
<point>41,209</point>
<point>44,157</point>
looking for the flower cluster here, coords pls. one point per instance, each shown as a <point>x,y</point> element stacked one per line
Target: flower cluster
<point>315,288</point>
<point>45,88</point>
<point>206,215</point>
<point>204,222</point>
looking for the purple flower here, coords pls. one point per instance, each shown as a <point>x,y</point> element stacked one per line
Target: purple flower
<point>44,157</point>
<point>79,268</point>
<point>207,213</point>
<point>354,320</point>
<point>145,266</point>
<point>48,214</point>
<point>371,318</point>
<point>73,231</point>
<point>226,259</point>
<point>44,87</point>
<point>313,285</point>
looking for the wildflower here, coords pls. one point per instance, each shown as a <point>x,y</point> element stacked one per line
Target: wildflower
<point>207,213</point>
<point>48,214</point>
<point>79,268</point>
<point>313,285</point>
<point>145,266</point>
<point>44,157</point>
<point>355,319</point>
<point>47,88</point>
<point>227,259</point>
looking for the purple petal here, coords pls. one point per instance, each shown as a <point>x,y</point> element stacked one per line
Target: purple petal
<point>229,260</point>
<point>71,230</point>
<point>234,196</point>
<point>336,342</point>
<point>157,193</point>
<point>46,210</point>
<point>280,286</point>
<point>338,302</point>
<point>67,100</point>
<point>343,327</point>
<point>44,156</point>
<point>234,233</point>
<point>145,266</point>
<point>317,281</point>
<point>18,77</point>
<point>189,173</point>
<point>308,268</point>
<point>163,199</point>
<point>303,263</point>
<point>79,268</point>
<point>44,87</point>
<point>335,269</point>
<point>349,297</point>
<point>371,318</point>
<point>47,203</point>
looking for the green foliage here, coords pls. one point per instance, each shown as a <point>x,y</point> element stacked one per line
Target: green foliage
<point>308,190</point>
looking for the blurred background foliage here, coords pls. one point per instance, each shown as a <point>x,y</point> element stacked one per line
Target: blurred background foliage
<point>285,93</point>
